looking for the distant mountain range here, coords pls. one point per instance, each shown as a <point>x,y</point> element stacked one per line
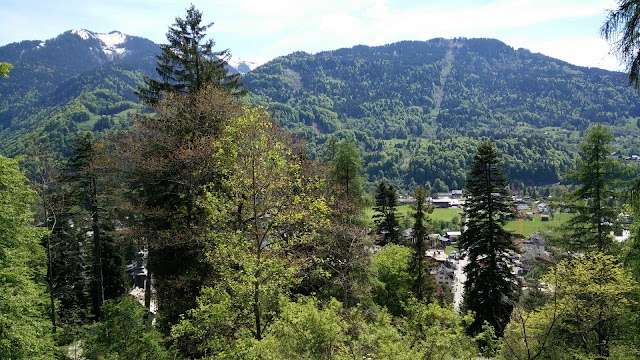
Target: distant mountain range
<point>388,98</point>
<point>464,86</point>
<point>77,81</point>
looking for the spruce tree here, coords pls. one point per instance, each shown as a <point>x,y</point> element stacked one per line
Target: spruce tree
<point>596,174</point>
<point>167,163</point>
<point>87,194</point>
<point>385,217</point>
<point>423,282</point>
<point>346,167</point>
<point>490,288</point>
<point>188,62</point>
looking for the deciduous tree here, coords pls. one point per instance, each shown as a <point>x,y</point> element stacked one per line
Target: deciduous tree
<point>5,68</point>
<point>593,314</point>
<point>25,332</point>
<point>167,160</point>
<point>264,210</point>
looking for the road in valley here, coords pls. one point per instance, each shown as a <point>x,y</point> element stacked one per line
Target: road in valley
<point>458,284</point>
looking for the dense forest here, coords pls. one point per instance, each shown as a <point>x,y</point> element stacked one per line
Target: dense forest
<point>398,102</point>
<point>193,216</point>
<point>389,98</point>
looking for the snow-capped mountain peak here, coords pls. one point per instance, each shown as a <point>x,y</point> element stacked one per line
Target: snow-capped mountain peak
<point>244,66</point>
<point>112,43</point>
<point>84,34</point>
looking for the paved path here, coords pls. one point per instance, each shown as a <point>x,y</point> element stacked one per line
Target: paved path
<point>458,284</point>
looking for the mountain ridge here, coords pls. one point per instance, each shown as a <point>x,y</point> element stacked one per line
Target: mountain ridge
<point>389,98</point>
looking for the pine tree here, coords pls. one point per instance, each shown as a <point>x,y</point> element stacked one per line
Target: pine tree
<point>189,63</point>
<point>490,289</point>
<point>621,30</point>
<point>423,282</point>
<point>87,192</point>
<point>167,162</point>
<point>346,167</point>
<point>385,217</point>
<point>596,174</point>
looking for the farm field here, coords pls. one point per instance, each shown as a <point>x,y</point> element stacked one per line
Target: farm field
<point>527,227</point>
<point>404,211</point>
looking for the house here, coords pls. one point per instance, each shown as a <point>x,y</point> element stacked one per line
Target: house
<point>406,199</point>
<point>453,236</point>
<point>438,241</point>
<point>445,202</point>
<point>542,207</point>
<point>441,203</point>
<point>443,274</point>
<point>456,194</point>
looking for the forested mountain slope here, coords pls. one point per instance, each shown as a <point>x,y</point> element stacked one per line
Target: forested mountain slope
<point>464,86</point>
<point>416,108</point>
<point>445,93</point>
<point>78,80</point>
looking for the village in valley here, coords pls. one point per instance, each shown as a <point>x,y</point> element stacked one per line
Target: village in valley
<point>446,263</point>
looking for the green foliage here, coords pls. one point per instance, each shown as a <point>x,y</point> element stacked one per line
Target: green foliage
<point>188,63</point>
<point>5,68</point>
<point>25,332</point>
<point>391,266</point>
<point>591,314</point>
<point>265,210</point>
<point>490,289</point>
<point>91,202</point>
<point>166,161</point>
<point>308,329</point>
<point>621,29</point>
<point>305,331</point>
<point>597,175</point>
<point>423,282</point>
<point>385,217</point>
<point>346,167</point>
<point>124,333</point>
<point>447,93</point>
<point>438,333</point>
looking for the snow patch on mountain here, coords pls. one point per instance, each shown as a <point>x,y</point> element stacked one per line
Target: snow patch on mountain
<point>84,34</point>
<point>112,43</point>
<point>244,66</point>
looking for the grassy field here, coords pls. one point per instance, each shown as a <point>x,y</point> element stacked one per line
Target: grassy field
<point>404,211</point>
<point>525,227</point>
<point>536,225</point>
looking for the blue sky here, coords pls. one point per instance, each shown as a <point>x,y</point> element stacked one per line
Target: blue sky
<point>260,30</point>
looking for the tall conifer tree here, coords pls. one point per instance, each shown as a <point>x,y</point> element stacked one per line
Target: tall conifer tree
<point>490,289</point>
<point>423,282</point>
<point>87,194</point>
<point>385,217</point>
<point>596,174</point>
<point>188,62</point>
<point>167,161</point>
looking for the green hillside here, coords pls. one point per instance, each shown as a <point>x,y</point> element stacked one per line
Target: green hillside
<point>417,108</point>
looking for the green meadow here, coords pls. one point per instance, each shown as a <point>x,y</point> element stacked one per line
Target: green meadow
<point>526,227</point>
